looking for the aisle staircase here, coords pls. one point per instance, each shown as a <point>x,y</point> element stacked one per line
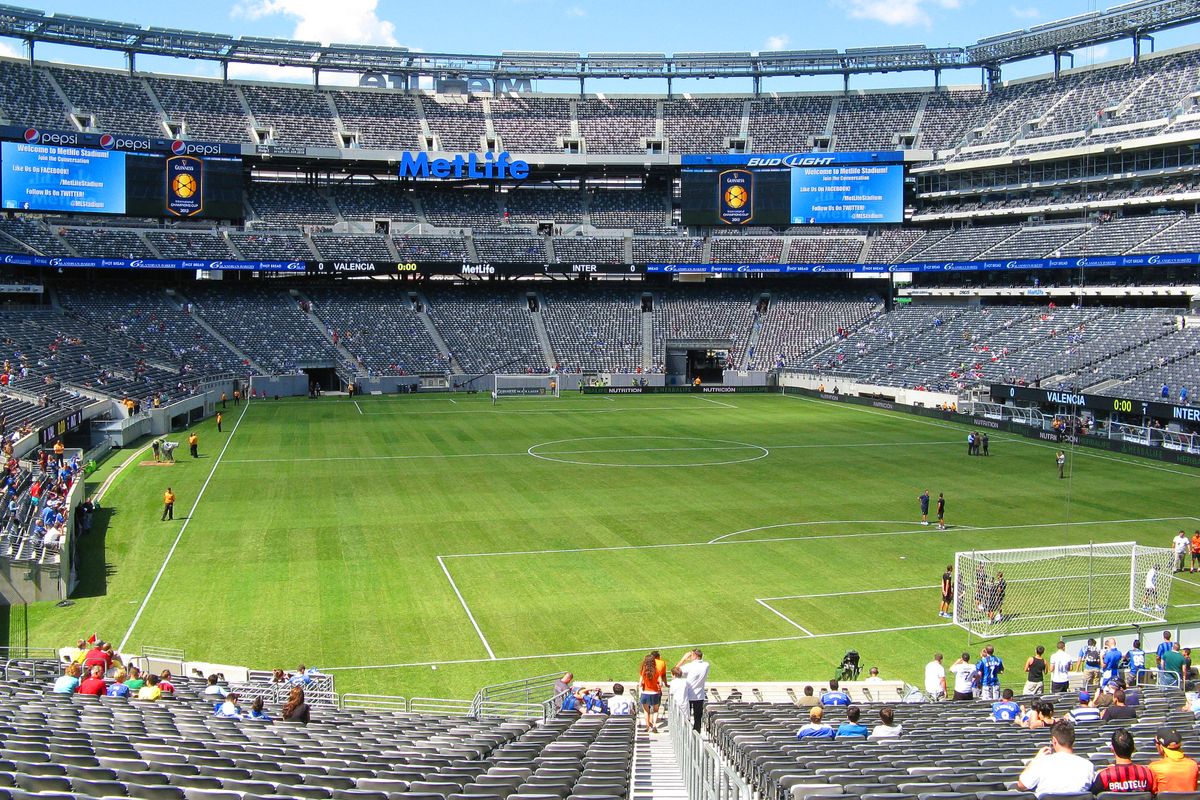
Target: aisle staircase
<point>656,773</point>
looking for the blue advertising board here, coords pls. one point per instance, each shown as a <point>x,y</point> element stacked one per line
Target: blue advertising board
<point>1082,262</point>
<point>37,177</point>
<point>761,160</point>
<point>848,194</point>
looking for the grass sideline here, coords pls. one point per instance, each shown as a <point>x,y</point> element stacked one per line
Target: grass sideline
<point>388,536</point>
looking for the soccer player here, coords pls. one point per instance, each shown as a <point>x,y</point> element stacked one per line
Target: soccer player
<point>941,511</point>
<point>1061,460</point>
<point>996,598</point>
<point>168,505</point>
<point>947,591</point>
<point>1150,593</point>
<point>924,498</point>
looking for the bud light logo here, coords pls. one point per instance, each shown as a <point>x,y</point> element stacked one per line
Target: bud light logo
<point>107,141</point>
<point>32,135</point>
<point>178,147</point>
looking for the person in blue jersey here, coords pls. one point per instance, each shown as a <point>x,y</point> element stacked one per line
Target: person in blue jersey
<point>1164,647</point>
<point>1006,710</point>
<point>816,727</point>
<point>836,696</point>
<point>852,726</point>
<point>1111,662</point>
<point>1135,662</point>
<point>989,668</point>
<point>924,498</point>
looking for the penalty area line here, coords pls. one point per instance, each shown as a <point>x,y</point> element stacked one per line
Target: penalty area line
<point>782,616</point>
<point>467,608</point>
<point>716,402</point>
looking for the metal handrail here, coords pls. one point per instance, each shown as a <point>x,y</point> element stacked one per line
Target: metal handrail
<point>373,702</point>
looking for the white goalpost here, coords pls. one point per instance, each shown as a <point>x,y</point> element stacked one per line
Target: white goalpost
<point>525,386</point>
<point>1054,589</point>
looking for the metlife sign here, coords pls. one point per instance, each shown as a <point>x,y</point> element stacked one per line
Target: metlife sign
<point>485,166</point>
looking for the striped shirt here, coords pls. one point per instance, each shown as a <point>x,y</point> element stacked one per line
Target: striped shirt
<point>1125,778</point>
<point>1084,714</point>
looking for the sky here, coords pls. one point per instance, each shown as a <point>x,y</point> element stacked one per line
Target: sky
<point>490,26</point>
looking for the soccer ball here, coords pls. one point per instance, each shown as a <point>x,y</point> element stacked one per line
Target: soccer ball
<point>736,196</point>
<point>183,185</point>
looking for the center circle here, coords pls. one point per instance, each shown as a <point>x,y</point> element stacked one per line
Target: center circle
<point>648,451</point>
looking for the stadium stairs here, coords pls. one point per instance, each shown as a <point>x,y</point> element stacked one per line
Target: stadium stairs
<point>213,332</point>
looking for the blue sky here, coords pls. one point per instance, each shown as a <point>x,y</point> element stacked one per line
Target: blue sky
<point>602,26</point>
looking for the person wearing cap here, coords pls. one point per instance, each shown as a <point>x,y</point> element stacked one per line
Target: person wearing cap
<point>1085,711</point>
<point>1055,769</point>
<point>816,728</point>
<point>1123,775</point>
<point>1173,771</point>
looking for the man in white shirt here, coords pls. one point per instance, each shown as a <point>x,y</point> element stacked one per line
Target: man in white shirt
<point>620,705</point>
<point>935,678</point>
<point>873,676</point>
<point>1180,544</point>
<point>1060,668</point>
<point>887,727</point>
<point>1056,769</point>
<point>694,671</point>
<point>964,677</point>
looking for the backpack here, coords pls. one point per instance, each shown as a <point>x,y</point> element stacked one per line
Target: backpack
<point>570,702</point>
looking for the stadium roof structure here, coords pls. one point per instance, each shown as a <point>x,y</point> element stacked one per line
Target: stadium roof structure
<point>1135,21</point>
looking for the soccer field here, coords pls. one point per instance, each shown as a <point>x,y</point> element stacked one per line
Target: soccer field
<point>383,537</point>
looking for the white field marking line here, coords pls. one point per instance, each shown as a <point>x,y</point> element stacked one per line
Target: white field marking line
<point>782,616</point>
<point>182,528</point>
<point>919,529</point>
<point>1083,451</point>
<point>1185,580</point>
<point>716,402</point>
<point>842,594</point>
<point>762,451</point>
<point>98,495</point>
<point>609,399</point>
<point>467,608</point>
<point>536,411</point>
<point>356,405</point>
<point>452,400</point>
<point>643,648</point>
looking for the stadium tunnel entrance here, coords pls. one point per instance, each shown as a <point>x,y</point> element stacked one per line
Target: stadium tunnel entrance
<point>706,360</point>
<point>325,377</point>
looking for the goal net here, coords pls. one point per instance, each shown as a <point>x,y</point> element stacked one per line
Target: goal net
<point>1053,589</point>
<point>526,386</point>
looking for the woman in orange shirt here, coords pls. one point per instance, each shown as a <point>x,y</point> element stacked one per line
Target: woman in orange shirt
<point>652,677</point>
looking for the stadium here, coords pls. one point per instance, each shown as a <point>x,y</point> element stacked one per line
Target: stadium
<point>448,387</point>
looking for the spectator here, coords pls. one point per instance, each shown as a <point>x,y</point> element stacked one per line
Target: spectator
<point>1085,711</point>
<point>1006,710</point>
<point>873,676</point>
<point>303,676</point>
<point>1055,769</point>
<point>620,704</point>
<point>135,681</point>
<point>989,668</point>
<point>77,653</point>
<point>852,727</point>
<point>151,690</point>
<point>295,709</point>
<point>1041,715</point>
<point>1060,668</point>
<point>1135,661</point>
<point>935,678</point>
<point>886,729</point>
<point>964,677</point>
<point>836,696</point>
<point>808,699</point>
<point>68,682</point>
<point>97,657</point>
<point>594,702</point>
<point>118,688</point>
<point>1171,663</point>
<point>1111,662</point>
<point>651,677</point>
<point>816,728</point>
<point>1118,710</point>
<point>694,671</point>
<point>214,689</point>
<point>228,707</point>
<point>1123,775</point>
<point>1035,672</point>
<point>164,682</point>
<point>256,711</point>
<point>561,687</point>
<point>93,684</point>
<point>1173,771</point>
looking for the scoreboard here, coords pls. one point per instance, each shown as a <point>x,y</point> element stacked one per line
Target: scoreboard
<point>854,188</point>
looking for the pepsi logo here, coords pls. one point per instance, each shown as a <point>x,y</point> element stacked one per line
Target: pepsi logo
<point>107,141</point>
<point>178,147</point>
<point>32,135</point>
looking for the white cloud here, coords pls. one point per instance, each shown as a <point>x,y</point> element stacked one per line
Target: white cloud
<point>344,21</point>
<point>576,11</point>
<point>1025,12</point>
<point>777,42</point>
<point>899,12</point>
<point>8,51</point>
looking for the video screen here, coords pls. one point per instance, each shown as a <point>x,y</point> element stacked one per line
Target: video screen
<point>79,180</point>
<point>837,194</point>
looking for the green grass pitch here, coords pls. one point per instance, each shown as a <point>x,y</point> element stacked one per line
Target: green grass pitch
<point>386,536</point>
